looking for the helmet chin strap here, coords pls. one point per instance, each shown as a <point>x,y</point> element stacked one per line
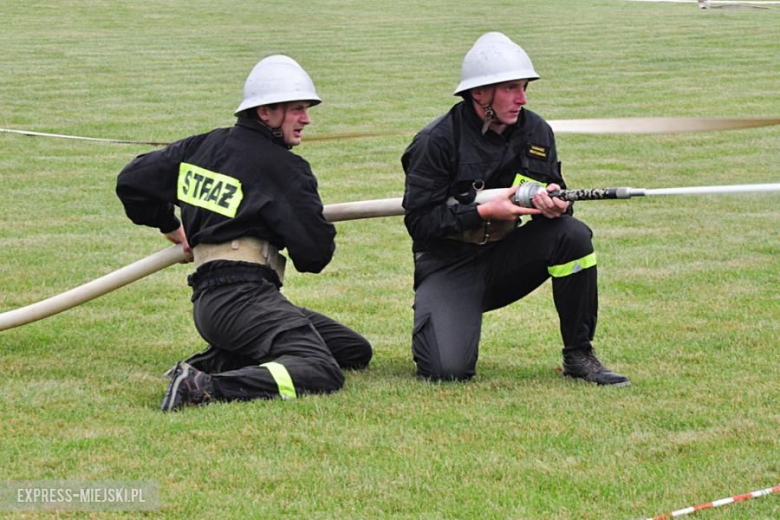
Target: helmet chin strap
<point>490,114</point>
<point>276,132</point>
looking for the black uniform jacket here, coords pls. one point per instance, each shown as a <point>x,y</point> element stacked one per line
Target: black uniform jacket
<point>231,183</point>
<point>451,157</point>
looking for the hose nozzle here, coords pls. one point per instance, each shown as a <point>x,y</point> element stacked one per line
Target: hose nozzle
<point>524,196</point>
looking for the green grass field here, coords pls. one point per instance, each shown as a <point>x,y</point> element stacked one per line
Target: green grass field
<point>689,292</point>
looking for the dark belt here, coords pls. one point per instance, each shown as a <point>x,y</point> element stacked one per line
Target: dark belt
<point>490,231</point>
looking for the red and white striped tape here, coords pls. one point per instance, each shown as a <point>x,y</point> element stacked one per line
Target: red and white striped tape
<point>717,503</point>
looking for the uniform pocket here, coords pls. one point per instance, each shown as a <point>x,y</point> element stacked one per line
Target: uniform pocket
<point>541,168</point>
<point>420,191</point>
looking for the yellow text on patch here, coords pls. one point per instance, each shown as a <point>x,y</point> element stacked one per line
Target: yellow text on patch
<point>209,190</point>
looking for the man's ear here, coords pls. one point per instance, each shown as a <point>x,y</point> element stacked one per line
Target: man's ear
<point>478,94</point>
<point>262,114</point>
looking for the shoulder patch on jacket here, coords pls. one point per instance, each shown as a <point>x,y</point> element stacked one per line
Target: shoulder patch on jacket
<point>536,151</point>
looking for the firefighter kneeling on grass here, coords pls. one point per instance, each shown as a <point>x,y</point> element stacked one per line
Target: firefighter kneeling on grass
<point>243,197</point>
<point>470,259</point>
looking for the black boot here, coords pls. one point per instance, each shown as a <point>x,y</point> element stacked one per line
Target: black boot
<point>583,364</point>
<point>187,387</point>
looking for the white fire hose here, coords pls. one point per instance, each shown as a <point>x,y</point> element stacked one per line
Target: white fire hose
<point>333,213</point>
<point>166,258</point>
<point>624,125</point>
<point>382,207</point>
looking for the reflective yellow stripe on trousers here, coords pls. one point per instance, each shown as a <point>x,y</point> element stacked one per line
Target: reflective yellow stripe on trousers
<point>575,266</point>
<point>282,378</point>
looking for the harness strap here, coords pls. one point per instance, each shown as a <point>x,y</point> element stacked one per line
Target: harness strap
<point>245,249</point>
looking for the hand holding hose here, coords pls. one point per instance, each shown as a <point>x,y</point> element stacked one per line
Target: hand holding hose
<point>178,236</point>
<point>503,207</point>
<point>550,206</point>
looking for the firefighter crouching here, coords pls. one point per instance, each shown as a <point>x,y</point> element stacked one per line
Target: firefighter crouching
<point>243,197</point>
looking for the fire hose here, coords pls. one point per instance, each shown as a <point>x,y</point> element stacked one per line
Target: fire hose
<point>625,125</point>
<point>525,193</point>
<point>523,196</point>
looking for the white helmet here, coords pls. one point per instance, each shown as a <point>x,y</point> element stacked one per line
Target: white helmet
<point>494,58</point>
<point>277,79</point>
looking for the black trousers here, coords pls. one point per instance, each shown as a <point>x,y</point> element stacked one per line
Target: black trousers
<point>451,296</point>
<point>263,346</point>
